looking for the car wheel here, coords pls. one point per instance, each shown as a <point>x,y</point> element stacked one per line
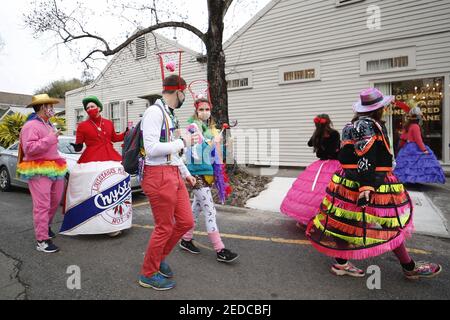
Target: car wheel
<point>5,180</point>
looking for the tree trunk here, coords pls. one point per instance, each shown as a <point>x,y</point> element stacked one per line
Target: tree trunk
<point>216,61</point>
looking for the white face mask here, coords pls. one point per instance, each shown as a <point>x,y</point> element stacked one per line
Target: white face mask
<point>204,115</point>
<point>49,112</point>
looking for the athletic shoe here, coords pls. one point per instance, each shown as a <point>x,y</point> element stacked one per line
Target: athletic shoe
<point>189,246</point>
<point>46,246</point>
<point>347,269</point>
<point>423,270</point>
<point>226,256</point>
<point>157,282</point>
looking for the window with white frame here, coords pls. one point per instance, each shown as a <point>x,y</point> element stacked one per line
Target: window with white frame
<point>296,73</point>
<point>79,116</point>
<point>241,80</point>
<point>141,48</point>
<point>388,61</point>
<point>118,115</point>
<point>340,3</point>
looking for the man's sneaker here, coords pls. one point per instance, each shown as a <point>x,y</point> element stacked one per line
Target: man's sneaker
<point>51,234</point>
<point>423,270</point>
<point>46,246</point>
<point>165,270</point>
<point>347,269</point>
<point>226,256</point>
<point>157,282</point>
<point>189,246</point>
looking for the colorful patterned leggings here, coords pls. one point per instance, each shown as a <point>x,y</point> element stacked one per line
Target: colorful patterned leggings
<point>203,202</point>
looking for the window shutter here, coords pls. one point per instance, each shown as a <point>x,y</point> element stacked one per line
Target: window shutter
<point>107,110</point>
<point>123,116</point>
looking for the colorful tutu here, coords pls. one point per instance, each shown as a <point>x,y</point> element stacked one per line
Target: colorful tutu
<point>343,230</point>
<point>413,166</point>
<point>54,169</point>
<point>306,194</point>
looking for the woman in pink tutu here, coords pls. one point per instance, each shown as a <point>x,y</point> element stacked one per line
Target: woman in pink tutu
<point>307,192</point>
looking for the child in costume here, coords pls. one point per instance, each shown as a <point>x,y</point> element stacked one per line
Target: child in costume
<point>308,190</point>
<point>205,164</point>
<point>366,211</point>
<point>416,162</point>
<point>41,165</point>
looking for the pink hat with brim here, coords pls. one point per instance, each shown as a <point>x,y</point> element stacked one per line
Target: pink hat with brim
<point>371,99</point>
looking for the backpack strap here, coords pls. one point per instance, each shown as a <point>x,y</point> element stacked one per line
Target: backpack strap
<point>165,124</point>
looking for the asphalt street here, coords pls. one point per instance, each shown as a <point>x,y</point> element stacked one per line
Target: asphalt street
<point>276,262</point>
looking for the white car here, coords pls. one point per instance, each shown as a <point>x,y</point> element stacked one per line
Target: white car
<point>8,164</point>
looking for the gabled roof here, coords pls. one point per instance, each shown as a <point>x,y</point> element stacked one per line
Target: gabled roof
<point>8,99</point>
<point>14,99</point>
<point>249,24</point>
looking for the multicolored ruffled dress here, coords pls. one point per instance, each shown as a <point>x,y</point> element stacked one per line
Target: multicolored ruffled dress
<point>413,165</point>
<point>342,229</point>
<point>307,192</point>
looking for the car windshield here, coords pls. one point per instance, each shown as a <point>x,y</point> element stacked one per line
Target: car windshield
<point>65,147</point>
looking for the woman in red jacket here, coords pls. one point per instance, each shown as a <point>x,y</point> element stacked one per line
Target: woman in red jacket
<point>416,162</point>
<point>84,214</point>
<point>98,134</point>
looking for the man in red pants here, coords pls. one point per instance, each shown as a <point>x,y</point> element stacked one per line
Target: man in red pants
<point>163,182</point>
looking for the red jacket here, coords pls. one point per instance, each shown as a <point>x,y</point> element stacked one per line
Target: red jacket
<point>99,142</point>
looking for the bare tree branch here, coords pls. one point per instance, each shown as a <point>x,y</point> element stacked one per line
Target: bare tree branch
<point>155,27</point>
<point>51,18</point>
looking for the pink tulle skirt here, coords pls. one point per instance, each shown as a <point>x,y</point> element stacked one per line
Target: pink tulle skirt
<point>306,194</point>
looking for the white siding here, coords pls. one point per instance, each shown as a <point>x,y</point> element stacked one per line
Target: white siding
<point>316,30</point>
<point>294,27</point>
<point>290,32</point>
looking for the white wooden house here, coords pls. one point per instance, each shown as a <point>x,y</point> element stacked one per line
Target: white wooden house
<point>132,81</point>
<point>296,59</point>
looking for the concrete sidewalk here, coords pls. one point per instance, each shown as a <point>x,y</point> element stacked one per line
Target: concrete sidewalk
<point>431,203</point>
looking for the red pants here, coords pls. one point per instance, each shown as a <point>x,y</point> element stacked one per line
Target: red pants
<point>169,200</point>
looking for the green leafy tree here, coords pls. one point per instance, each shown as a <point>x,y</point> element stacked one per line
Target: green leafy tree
<point>58,88</point>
